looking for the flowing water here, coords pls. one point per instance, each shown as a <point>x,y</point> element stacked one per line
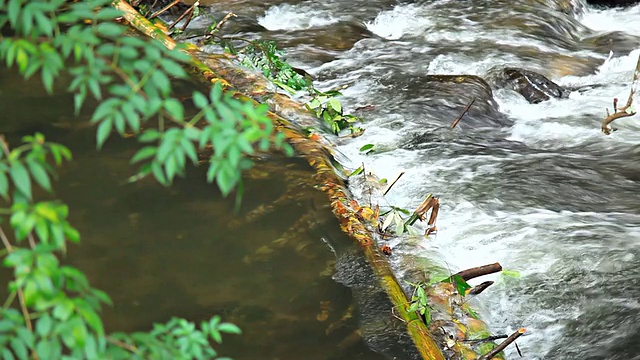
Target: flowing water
<point>542,190</point>
<point>538,188</point>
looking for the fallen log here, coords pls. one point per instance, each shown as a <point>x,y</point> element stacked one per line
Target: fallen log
<point>287,116</point>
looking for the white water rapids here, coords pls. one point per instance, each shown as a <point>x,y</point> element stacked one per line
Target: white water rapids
<point>547,195</point>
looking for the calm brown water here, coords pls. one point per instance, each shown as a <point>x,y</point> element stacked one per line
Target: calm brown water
<point>183,251</point>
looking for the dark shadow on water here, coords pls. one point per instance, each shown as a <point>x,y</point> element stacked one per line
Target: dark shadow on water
<point>183,252</point>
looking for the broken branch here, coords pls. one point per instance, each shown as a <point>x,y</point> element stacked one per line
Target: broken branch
<point>392,183</point>
<point>161,11</point>
<point>479,271</point>
<point>479,288</point>
<point>503,344</point>
<point>626,110</point>
<point>466,109</point>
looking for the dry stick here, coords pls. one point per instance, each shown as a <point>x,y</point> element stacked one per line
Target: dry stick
<point>224,20</point>
<point>189,12</point>
<point>466,109</point>
<point>392,183</point>
<point>488,338</point>
<point>479,271</point>
<point>136,3</point>
<point>479,288</point>
<point>186,23</point>
<point>624,111</point>
<point>218,27</point>
<point>503,344</point>
<point>161,11</point>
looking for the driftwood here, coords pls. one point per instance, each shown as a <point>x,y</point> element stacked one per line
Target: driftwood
<point>626,110</point>
<point>241,83</point>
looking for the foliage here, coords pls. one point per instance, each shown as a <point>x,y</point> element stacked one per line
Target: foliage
<point>265,56</point>
<point>131,78</point>
<point>52,311</point>
<point>329,109</point>
<point>419,301</point>
<point>59,310</point>
<point>459,283</point>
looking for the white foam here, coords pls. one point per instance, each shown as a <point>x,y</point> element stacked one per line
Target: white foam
<point>614,19</point>
<point>401,20</point>
<point>291,17</point>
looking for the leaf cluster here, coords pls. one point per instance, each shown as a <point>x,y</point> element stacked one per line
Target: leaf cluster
<point>328,108</point>
<point>131,78</point>
<point>59,314</point>
<point>265,56</point>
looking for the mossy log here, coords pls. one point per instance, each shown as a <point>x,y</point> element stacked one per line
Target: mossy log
<point>247,85</point>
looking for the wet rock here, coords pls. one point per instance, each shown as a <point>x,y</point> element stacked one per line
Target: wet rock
<point>617,41</point>
<point>335,37</point>
<point>439,99</point>
<point>533,86</point>
<point>613,3</point>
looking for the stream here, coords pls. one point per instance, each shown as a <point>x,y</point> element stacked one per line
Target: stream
<point>543,192</point>
<point>537,187</point>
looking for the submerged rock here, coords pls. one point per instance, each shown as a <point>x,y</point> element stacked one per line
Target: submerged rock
<point>533,86</point>
<point>439,99</point>
<point>613,3</point>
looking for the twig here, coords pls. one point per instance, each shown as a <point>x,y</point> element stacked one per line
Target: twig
<point>488,338</point>
<point>466,109</point>
<point>479,288</point>
<point>23,306</point>
<point>122,344</point>
<point>392,183</point>
<point>32,241</point>
<point>479,271</point>
<point>4,145</point>
<point>136,3</point>
<point>626,110</point>
<point>503,344</point>
<point>224,20</point>
<point>186,23</point>
<point>218,27</point>
<point>161,11</point>
<point>189,12</point>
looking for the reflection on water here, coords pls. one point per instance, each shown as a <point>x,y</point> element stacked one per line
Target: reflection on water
<point>179,252</point>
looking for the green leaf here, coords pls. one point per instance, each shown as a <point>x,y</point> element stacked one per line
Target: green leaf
<point>44,324</point>
<point>144,153</point>
<point>20,178</point>
<point>174,108</point>
<point>4,186</point>
<point>19,348</point>
<point>104,130</point>
<point>200,100</point>
<point>334,104</point>
<point>110,30</point>
<point>357,171</point>
<point>367,147</point>
<point>63,310</point>
<point>511,273</point>
<point>39,175</point>
<point>229,328</point>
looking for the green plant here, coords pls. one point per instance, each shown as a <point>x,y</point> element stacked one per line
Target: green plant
<point>328,108</point>
<point>131,78</point>
<point>51,309</point>
<point>266,57</point>
<point>419,301</point>
<point>52,312</point>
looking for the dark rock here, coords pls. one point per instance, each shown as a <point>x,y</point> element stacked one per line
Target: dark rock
<point>613,3</point>
<point>533,86</point>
